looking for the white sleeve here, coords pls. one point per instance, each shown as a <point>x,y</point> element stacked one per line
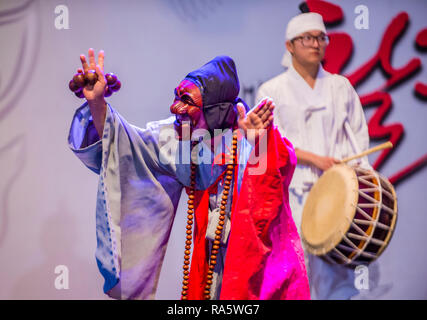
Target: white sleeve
<point>357,120</point>
<point>261,93</point>
<point>266,90</point>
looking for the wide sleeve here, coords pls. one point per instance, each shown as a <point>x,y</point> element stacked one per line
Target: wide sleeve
<point>356,121</point>
<point>137,198</point>
<point>270,89</point>
<point>81,131</point>
<point>262,92</point>
<point>356,118</point>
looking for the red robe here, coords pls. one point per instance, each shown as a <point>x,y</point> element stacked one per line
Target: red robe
<point>264,258</point>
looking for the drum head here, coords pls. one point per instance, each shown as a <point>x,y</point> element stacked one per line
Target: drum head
<point>329,209</point>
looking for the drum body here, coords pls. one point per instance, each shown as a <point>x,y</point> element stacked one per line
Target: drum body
<point>349,216</point>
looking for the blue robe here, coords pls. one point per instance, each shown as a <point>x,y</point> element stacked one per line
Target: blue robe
<point>140,182</point>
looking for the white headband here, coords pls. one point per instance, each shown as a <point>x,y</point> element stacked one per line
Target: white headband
<point>298,25</point>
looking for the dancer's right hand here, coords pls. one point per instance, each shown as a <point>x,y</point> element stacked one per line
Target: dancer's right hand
<point>94,93</point>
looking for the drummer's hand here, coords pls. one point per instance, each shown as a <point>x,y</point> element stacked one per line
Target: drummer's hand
<point>324,163</point>
<point>94,93</point>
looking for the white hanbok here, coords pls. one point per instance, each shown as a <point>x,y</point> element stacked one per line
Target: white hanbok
<point>327,120</point>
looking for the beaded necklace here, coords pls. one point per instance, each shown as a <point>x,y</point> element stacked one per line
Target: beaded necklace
<point>218,233</point>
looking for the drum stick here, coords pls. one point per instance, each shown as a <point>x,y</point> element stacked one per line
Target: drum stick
<point>382,146</point>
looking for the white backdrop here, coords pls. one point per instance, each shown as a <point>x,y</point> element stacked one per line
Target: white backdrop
<point>47,197</point>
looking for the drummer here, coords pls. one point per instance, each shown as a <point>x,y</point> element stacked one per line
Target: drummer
<point>322,115</point>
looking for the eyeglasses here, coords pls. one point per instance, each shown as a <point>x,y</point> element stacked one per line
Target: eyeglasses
<point>308,40</point>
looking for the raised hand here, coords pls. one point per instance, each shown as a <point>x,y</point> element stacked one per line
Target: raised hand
<point>259,118</point>
<point>96,91</point>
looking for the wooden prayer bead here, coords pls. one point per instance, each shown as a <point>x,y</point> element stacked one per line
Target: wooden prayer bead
<point>79,94</point>
<point>91,77</point>
<point>111,78</point>
<point>73,86</point>
<point>79,80</point>
<point>116,87</point>
<point>108,92</point>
